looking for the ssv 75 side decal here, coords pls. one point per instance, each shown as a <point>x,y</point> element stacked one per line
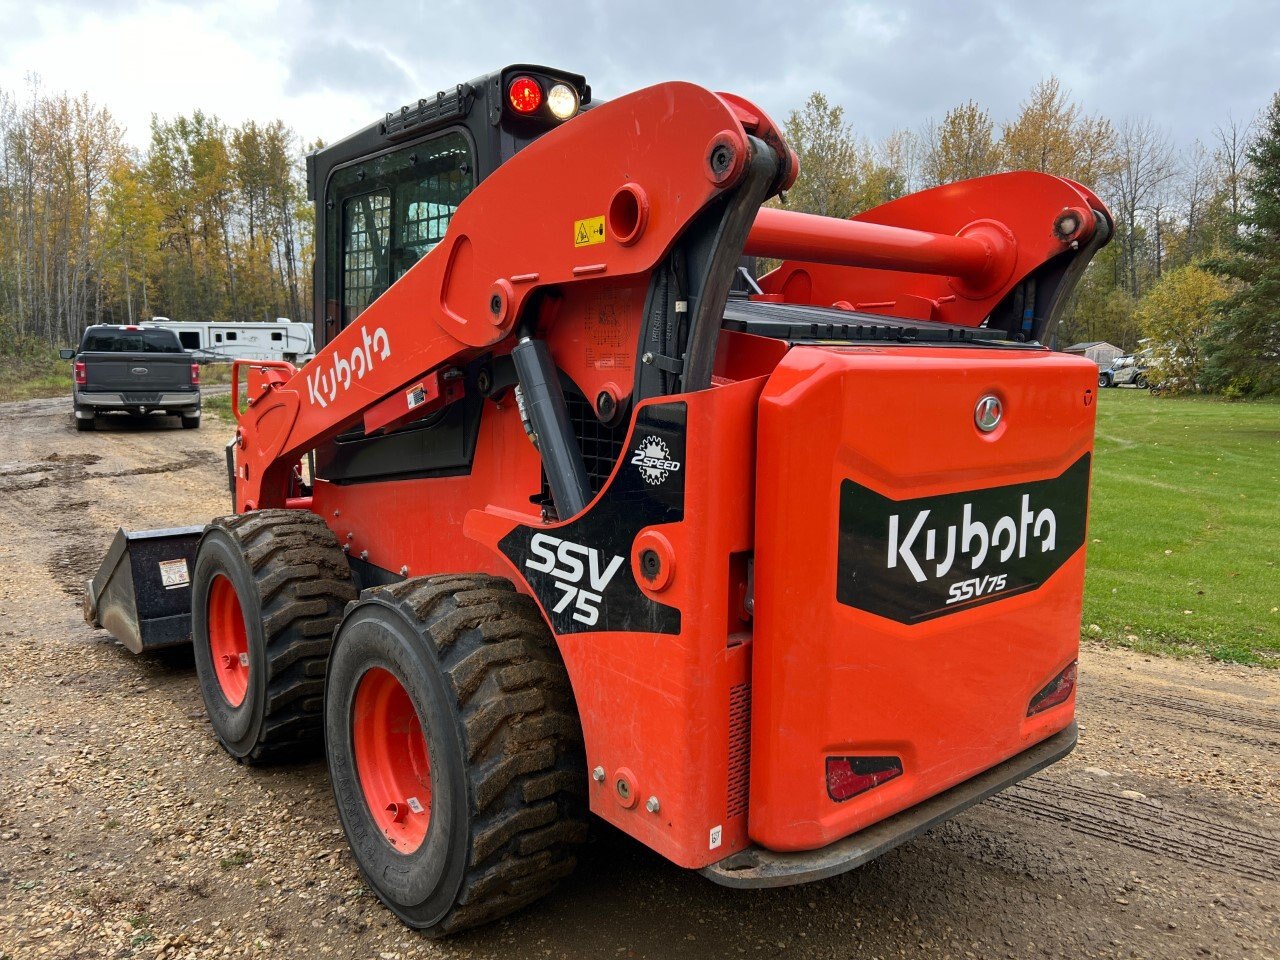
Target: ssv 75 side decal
<point>912,560</point>
<point>574,567</point>
<point>581,571</point>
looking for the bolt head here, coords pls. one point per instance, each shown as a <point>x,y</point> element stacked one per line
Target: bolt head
<point>364,554</point>
<point>404,571</point>
<point>598,774</point>
<point>652,805</point>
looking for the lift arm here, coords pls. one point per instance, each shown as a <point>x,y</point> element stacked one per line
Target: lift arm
<point>601,199</point>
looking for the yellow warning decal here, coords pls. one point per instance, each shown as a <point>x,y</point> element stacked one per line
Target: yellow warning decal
<point>588,231</point>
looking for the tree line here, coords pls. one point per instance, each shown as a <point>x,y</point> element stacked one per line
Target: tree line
<point>208,222</point>
<point>1196,252</point>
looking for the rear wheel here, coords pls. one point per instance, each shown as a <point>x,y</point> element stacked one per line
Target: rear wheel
<point>84,425</point>
<point>454,750</point>
<point>191,423</point>
<point>1140,381</point>
<point>268,590</point>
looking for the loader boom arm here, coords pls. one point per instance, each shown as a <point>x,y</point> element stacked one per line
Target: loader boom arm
<point>636,171</point>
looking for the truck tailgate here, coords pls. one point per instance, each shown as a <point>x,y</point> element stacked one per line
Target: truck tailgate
<point>146,372</point>
<point>917,579</point>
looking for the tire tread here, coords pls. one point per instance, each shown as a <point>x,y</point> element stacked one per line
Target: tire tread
<point>520,735</point>
<point>304,584</point>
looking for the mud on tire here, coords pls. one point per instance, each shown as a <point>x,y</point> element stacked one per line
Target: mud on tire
<point>291,581</point>
<point>507,770</point>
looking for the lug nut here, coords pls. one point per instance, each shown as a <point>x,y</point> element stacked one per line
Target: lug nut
<point>652,805</point>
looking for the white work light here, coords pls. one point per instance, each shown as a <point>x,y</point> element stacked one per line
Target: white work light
<point>563,101</point>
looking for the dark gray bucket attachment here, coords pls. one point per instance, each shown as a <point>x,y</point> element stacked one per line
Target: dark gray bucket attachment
<point>141,594</point>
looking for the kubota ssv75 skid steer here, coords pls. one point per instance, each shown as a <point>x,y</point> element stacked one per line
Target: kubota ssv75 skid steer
<point>573,513</point>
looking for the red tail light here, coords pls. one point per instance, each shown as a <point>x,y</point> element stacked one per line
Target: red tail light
<point>1057,691</point>
<point>524,94</point>
<point>849,776</point>
<point>195,374</point>
<point>81,372</point>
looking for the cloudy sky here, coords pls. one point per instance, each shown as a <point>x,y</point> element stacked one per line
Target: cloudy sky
<point>329,67</point>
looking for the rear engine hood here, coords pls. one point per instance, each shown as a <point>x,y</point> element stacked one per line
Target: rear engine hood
<point>918,579</point>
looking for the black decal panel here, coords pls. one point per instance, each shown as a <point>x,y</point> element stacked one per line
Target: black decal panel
<point>581,572</point>
<point>913,560</point>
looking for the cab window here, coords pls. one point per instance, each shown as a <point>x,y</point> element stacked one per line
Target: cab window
<point>392,210</point>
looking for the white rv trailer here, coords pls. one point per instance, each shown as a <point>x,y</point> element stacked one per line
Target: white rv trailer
<point>211,342</point>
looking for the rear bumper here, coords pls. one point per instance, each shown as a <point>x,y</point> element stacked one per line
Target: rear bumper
<point>118,401</point>
<point>756,867</point>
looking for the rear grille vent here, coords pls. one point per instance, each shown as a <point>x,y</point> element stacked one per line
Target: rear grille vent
<point>600,443</point>
<point>142,398</point>
<point>739,749</point>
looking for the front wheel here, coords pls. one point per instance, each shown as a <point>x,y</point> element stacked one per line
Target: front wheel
<point>268,590</point>
<point>1104,380</point>
<point>1141,382</point>
<point>454,750</point>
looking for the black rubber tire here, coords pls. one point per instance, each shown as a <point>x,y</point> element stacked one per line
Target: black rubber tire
<point>191,423</point>
<point>1103,380</point>
<point>292,581</point>
<point>1140,381</point>
<point>503,737</point>
<point>84,426</point>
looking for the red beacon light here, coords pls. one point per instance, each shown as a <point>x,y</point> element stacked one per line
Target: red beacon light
<point>525,95</point>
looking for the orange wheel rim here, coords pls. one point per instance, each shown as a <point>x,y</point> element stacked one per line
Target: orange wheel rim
<point>228,641</point>
<point>392,760</point>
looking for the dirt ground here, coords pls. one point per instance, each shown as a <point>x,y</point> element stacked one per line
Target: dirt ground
<point>125,831</point>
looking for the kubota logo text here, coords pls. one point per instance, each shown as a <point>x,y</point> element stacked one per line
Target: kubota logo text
<point>972,538</point>
<point>572,563</point>
<point>913,560</point>
<point>324,383</point>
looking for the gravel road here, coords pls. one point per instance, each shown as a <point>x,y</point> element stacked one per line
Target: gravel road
<point>125,831</point>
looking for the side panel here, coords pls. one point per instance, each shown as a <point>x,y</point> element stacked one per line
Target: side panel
<point>880,630</point>
<point>659,657</point>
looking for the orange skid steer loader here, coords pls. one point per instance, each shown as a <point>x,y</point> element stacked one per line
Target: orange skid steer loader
<point>574,513</point>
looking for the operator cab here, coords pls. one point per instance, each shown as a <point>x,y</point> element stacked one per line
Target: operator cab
<point>384,196</point>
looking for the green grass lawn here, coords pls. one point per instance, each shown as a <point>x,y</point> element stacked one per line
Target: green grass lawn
<point>1184,551</point>
<point>25,378</point>
<point>219,404</point>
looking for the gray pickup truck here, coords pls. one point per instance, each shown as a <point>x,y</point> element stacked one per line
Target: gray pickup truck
<point>127,369</point>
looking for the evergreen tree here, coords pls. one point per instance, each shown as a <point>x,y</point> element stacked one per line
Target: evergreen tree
<point>1244,350</point>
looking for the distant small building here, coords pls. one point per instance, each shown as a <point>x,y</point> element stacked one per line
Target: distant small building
<point>1099,351</point>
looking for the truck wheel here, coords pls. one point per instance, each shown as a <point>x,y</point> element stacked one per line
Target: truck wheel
<point>268,590</point>
<point>454,750</point>
<point>85,425</point>
<point>191,423</point>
